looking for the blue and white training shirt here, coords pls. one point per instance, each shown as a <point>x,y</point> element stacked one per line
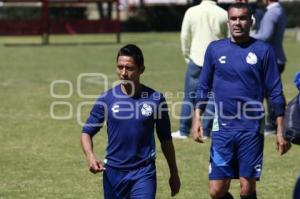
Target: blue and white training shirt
<point>130,125</point>
<point>239,75</point>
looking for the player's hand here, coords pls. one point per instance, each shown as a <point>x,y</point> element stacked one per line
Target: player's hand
<point>197,131</point>
<point>175,184</point>
<point>95,166</point>
<point>282,145</point>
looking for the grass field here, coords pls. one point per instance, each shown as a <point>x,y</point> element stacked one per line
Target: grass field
<point>40,157</point>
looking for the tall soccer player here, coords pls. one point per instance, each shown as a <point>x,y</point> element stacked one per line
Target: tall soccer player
<point>239,70</point>
<point>132,111</point>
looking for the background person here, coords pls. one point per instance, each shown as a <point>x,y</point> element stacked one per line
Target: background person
<point>271,30</point>
<point>105,12</point>
<point>201,24</point>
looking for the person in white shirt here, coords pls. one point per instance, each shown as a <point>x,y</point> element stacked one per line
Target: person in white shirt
<point>201,24</point>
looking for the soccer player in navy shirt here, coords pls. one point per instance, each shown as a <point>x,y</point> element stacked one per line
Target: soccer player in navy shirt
<point>238,70</point>
<point>131,111</point>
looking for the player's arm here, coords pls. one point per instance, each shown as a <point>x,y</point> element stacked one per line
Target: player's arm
<point>277,101</point>
<point>185,37</point>
<point>266,28</point>
<point>91,127</point>
<point>169,153</point>
<point>204,86</point>
<point>197,129</point>
<point>282,145</point>
<point>94,165</point>
<point>163,129</point>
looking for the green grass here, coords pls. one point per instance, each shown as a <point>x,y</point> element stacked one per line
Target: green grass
<point>41,157</point>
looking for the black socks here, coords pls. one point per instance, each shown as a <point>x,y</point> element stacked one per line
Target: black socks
<point>227,196</point>
<point>251,196</point>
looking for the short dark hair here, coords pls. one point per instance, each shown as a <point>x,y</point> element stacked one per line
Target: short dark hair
<point>240,5</point>
<point>133,51</point>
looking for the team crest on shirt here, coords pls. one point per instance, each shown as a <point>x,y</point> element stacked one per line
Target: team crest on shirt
<point>251,58</point>
<point>146,110</point>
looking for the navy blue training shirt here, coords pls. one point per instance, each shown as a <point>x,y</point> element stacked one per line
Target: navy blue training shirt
<point>239,75</point>
<point>130,125</point>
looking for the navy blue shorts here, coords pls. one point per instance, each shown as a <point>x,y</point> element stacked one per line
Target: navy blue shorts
<point>134,184</point>
<point>236,154</point>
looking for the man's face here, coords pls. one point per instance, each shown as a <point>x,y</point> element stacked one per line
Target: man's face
<point>239,23</point>
<point>128,71</point>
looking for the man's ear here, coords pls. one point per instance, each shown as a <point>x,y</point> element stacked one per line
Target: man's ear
<point>142,69</point>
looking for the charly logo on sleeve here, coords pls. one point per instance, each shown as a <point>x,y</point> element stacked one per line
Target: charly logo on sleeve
<point>222,59</point>
<point>251,58</point>
<point>146,110</point>
<point>115,108</point>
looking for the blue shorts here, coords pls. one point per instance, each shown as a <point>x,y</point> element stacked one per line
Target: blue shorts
<point>134,184</point>
<point>236,154</point>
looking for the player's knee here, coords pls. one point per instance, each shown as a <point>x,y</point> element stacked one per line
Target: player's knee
<point>218,193</point>
<point>215,193</point>
<point>247,187</point>
<point>247,190</point>
<point>218,189</point>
